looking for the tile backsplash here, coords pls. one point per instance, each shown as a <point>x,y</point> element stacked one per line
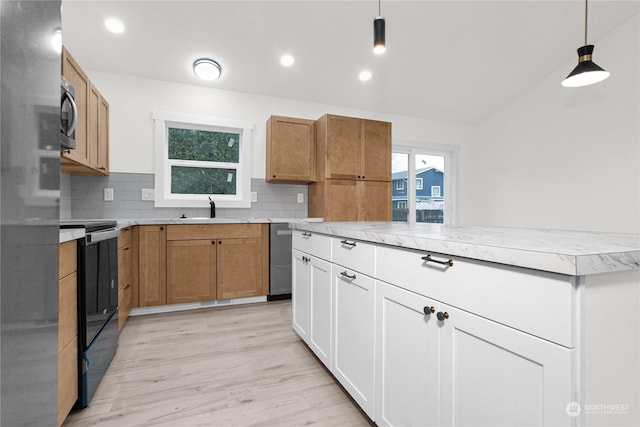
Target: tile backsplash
<point>82,197</point>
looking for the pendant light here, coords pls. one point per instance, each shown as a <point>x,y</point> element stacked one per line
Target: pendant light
<point>586,72</point>
<point>378,34</point>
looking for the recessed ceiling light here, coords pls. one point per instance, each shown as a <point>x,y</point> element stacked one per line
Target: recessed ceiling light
<point>114,25</point>
<point>207,69</point>
<point>287,60</point>
<point>56,41</point>
<point>365,76</point>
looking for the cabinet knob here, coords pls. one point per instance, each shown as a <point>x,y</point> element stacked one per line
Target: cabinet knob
<point>213,242</point>
<point>219,242</point>
<point>274,176</point>
<point>442,316</point>
<point>428,310</point>
<point>161,228</point>
<point>358,176</point>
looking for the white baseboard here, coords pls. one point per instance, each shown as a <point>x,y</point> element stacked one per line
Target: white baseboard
<point>140,311</point>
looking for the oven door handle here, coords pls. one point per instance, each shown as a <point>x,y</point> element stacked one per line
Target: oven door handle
<point>99,236</point>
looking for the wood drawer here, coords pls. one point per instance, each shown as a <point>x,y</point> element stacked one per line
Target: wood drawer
<point>67,258</point>
<point>312,243</point>
<point>529,300</point>
<point>214,231</point>
<point>68,311</point>
<point>67,379</point>
<point>124,238</point>
<point>353,254</point>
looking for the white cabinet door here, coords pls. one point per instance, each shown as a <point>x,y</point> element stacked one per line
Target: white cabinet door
<point>301,294</point>
<point>493,375</point>
<point>407,375</point>
<point>354,308</point>
<point>320,328</point>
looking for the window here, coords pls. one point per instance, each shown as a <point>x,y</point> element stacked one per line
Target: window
<point>400,184</point>
<point>437,165</point>
<point>198,158</point>
<point>402,205</point>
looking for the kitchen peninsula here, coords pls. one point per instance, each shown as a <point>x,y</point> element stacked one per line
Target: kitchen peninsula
<point>425,323</point>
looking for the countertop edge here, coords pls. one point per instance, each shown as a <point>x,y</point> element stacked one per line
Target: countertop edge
<point>567,264</point>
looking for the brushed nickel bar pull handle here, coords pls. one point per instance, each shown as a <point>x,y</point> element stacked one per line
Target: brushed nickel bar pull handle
<point>429,259</point>
<point>305,234</point>
<point>348,243</point>
<point>345,274</point>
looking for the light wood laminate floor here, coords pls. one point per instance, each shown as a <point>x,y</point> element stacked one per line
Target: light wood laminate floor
<point>233,366</point>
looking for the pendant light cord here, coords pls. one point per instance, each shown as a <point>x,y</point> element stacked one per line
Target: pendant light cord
<point>379,8</point>
<point>586,14</point>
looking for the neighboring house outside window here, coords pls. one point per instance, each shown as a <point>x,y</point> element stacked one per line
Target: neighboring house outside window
<point>435,191</point>
<point>402,205</point>
<point>418,183</point>
<point>399,184</point>
<point>198,158</point>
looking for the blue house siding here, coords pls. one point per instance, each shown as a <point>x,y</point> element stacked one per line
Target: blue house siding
<point>429,176</point>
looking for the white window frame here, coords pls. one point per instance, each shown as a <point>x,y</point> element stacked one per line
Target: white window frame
<point>163,195</point>
<point>402,204</point>
<point>419,184</point>
<point>450,153</point>
<point>400,184</point>
<point>436,187</point>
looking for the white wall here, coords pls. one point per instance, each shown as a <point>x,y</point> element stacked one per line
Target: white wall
<point>132,100</point>
<point>563,157</point>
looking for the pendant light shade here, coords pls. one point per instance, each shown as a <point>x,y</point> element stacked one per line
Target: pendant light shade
<point>586,72</point>
<point>378,35</point>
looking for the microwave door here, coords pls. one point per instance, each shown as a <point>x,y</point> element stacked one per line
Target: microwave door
<point>68,119</point>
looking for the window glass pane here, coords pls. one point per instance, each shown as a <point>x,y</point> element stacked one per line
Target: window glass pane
<point>202,145</point>
<point>188,180</point>
<point>399,169</point>
<point>430,202</point>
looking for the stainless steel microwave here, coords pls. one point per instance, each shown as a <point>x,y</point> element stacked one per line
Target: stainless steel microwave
<point>68,115</point>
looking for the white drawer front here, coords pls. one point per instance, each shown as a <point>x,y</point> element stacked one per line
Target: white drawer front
<point>357,255</point>
<point>312,243</point>
<point>533,301</point>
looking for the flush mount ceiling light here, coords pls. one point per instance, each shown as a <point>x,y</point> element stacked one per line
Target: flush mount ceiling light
<point>586,72</point>
<point>378,34</point>
<point>114,25</point>
<point>207,69</point>
<point>287,60</point>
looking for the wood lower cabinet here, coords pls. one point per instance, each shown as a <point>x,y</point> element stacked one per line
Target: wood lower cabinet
<point>67,330</point>
<point>216,261</point>
<point>124,276</point>
<point>291,149</point>
<point>91,156</point>
<point>191,271</point>
<point>151,244</point>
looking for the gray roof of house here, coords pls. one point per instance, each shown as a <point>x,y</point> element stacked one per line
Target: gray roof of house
<point>403,174</point>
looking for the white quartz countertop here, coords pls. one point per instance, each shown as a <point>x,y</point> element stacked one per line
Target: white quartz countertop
<point>122,223</point>
<point>569,252</point>
<point>68,234</point>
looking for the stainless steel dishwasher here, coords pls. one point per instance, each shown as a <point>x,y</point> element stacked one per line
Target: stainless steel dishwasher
<point>279,261</point>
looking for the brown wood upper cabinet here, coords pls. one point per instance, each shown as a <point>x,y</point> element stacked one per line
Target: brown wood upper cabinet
<point>290,150</point>
<point>91,156</point>
<point>353,148</point>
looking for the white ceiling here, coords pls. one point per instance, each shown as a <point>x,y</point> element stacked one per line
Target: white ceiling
<point>453,61</point>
